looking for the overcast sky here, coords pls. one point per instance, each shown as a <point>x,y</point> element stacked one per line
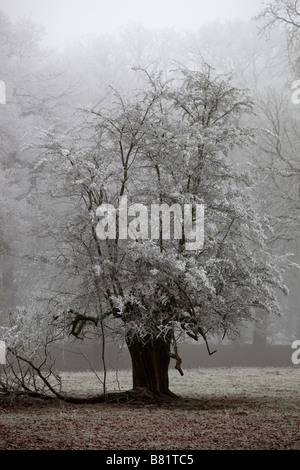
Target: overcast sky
<point>66,20</point>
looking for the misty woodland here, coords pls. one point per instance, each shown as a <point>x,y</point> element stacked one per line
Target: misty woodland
<point>177,120</point>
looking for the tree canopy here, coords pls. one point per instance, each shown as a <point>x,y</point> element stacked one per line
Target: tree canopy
<point>168,143</point>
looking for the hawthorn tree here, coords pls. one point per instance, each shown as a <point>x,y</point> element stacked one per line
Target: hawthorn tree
<point>169,143</point>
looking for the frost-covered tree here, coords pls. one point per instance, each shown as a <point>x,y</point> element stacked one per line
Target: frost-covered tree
<point>168,143</point>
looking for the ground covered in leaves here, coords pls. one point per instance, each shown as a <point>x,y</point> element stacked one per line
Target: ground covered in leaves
<point>238,408</point>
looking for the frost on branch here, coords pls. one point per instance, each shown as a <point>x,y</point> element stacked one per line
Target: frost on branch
<point>30,338</point>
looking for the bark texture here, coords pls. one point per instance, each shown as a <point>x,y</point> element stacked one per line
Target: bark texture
<point>150,364</point>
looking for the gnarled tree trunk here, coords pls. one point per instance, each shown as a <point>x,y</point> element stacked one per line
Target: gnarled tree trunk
<point>150,363</point>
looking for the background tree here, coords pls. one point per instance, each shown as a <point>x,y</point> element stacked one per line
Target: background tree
<point>277,166</point>
<point>37,94</point>
<point>285,13</point>
<point>277,160</point>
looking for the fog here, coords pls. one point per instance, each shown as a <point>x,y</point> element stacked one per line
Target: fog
<point>59,59</point>
<point>67,20</point>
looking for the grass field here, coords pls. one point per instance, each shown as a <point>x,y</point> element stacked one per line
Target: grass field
<point>235,408</point>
